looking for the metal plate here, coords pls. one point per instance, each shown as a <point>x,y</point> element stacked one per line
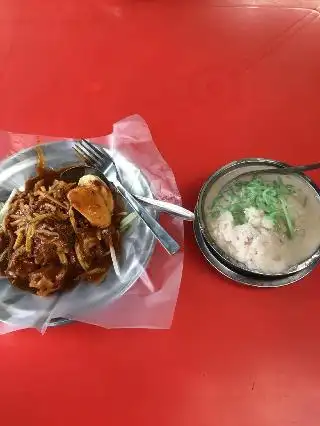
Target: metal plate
<point>241,278</point>
<point>137,244</point>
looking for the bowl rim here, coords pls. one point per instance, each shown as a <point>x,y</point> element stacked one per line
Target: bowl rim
<point>214,177</point>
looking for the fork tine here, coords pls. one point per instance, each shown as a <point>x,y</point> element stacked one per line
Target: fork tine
<point>102,153</point>
<point>86,149</point>
<point>83,155</point>
<point>96,152</point>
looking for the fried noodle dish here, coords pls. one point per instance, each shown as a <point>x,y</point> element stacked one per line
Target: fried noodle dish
<point>56,233</point>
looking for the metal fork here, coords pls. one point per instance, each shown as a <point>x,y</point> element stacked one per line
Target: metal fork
<point>103,162</point>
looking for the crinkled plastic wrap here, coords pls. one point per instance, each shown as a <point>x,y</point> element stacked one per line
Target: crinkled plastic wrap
<point>145,294</point>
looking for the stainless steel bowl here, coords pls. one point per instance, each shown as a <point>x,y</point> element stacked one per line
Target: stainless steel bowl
<point>222,177</point>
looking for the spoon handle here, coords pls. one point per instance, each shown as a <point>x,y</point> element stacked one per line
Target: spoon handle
<point>166,207</point>
<point>286,170</point>
<point>158,231</point>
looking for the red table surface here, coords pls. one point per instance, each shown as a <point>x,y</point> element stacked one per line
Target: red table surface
<point>215,83</point>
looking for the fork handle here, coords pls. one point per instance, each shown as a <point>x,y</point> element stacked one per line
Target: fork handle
<point>158,231</point>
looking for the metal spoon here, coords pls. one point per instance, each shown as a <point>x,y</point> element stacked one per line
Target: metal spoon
<point>100,159</point>
<point>280,170</point>
<point>73,174</point>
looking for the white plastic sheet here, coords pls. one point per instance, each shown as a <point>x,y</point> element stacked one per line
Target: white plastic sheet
<point>151,301</point>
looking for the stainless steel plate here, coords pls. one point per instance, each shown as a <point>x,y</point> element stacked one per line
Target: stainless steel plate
<point>242,278</point>
<point>15,305</point>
